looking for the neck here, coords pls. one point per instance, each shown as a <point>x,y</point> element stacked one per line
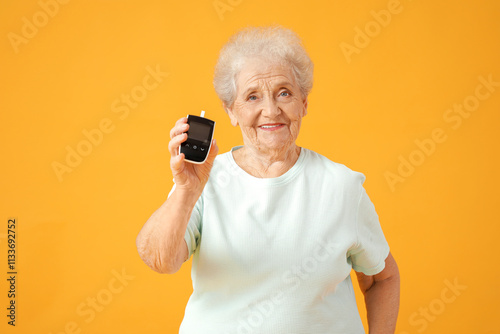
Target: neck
<point>267,164</point>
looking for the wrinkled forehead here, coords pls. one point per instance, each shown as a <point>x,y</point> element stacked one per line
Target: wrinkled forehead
<point>263,75</point>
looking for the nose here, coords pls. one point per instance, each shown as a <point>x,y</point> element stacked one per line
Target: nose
<point>270,108</point>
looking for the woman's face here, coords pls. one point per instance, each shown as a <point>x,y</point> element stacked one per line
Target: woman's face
<point>269,106</point>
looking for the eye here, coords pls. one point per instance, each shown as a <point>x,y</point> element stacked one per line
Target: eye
<point>285,93</point>
<point>252,98</point>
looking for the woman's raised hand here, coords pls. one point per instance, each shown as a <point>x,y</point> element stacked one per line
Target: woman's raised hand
<point>188,176</point>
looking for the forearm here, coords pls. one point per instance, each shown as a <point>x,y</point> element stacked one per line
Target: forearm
<point>382,305</point>
<point>160,239</point>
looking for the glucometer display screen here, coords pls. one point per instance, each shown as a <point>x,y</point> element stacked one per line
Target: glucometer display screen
<point>199,131</point>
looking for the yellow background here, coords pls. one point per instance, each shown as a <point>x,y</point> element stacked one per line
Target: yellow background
<point>365,111</point>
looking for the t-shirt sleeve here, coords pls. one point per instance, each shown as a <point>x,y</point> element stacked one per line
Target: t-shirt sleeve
<point>193,229</point>
<point>369,254</point>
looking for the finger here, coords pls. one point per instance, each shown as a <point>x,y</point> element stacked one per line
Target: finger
<point>173,145</point>
<point>214,150</point>
<point>176,163</point>
<point>181,120</point>
<point>179,128</point>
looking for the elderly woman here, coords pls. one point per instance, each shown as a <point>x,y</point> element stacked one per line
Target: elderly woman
<point>274,228</point>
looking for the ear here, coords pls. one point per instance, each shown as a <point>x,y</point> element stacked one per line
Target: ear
<point>305,103</point>
<point>232,117</point>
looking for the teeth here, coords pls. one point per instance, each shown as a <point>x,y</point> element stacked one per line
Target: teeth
<point>269,126</point>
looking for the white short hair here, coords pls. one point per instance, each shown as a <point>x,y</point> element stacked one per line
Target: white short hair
<point>272,44</point>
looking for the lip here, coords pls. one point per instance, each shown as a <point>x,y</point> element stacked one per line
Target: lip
<point>272,126</point>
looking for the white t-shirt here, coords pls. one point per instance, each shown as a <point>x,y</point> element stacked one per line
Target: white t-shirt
<point>273,255</point>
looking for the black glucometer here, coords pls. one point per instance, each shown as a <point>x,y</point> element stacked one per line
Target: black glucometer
<point>200,133</point>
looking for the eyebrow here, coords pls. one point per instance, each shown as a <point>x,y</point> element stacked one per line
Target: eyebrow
<point>280,84</point>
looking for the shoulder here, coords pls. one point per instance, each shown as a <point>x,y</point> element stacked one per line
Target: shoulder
<point>222,158</point>
<point>222,161</point>
<point>223,170</point>
<point>332,171</point>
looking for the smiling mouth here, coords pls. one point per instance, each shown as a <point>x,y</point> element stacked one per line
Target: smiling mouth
<point>271,126</point>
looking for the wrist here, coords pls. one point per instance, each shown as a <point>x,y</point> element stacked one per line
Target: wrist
<point>188,194</point>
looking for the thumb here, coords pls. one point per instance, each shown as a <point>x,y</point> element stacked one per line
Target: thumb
<point>214,149</point>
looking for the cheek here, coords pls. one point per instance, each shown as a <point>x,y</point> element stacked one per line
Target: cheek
<point>245,115</point>
<point>295,112</point>
<point>295,118</point>
<point>294,129</point>
<point>296,109</point>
